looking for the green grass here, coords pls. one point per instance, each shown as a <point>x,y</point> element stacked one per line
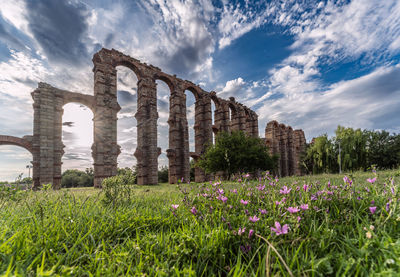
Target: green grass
<point>75,233</point>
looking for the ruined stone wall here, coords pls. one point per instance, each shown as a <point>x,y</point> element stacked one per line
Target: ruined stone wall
<point>288,145</point>
<point>47,147</point>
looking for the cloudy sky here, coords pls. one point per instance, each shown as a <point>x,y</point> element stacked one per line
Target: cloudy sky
<point>311,65</point>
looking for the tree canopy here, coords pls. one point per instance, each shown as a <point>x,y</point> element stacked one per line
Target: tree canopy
<point>236,152</point>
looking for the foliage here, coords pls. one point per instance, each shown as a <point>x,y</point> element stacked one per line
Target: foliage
<point>77,178</point>
<point>117,190</point>
<point>349,228</point>
<point>128,175</point>
<point>163,174</point>
<point>359,150</point>
<point>236,153</point>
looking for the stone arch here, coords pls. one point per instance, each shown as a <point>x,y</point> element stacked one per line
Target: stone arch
<point>21,142</point>
<point>84,99</point>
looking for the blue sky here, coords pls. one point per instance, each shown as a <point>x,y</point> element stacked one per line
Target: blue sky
<point>309,64</point>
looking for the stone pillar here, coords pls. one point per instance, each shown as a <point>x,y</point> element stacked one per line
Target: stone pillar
<point>43,141</point>
<point>299,147</point>
<point>272,138</point>
<point>147,151</point>
<point>254,124</point>
<point>105,149</point>
<point>203,131</point>
<point>178,152</point>
<point>290,151</point>
<point>242,122</point>
<point>58,144</point>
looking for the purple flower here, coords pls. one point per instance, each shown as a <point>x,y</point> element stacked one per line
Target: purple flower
<point>261,187</point>
<point>247,175</point>
<point>234,190</point>
<point>293,210</point>
<point>372,202</point>
<point>262,211</point>
<point>245,249</point>
<point>241,231</point>
<point>174,207</point>
<point>371,180</point>
<point>251,232</point>
<point>193,210</point>
<point>314,197</point>
<point>298,219</point>
<point>222,198</point>
<point>280,230</point>
<point>372,210</point>
<point>244,202</point>
<point>305,187</point>
<point>285,190</point>
<point>392,190</point>
<point>387,206</point>
<point>304,207</point>
<point>347,180</point>
<point>220,191</point>
<point>254,219</point>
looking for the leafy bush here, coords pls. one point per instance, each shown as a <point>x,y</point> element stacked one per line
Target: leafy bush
<point>117,190</point>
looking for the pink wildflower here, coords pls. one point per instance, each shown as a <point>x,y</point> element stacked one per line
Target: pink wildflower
<point>262,211</point>
<point>174,206</point>
<point>280,230</point>
<point>285,190</point>
<point>193,210</point>
<point>293,210</point>
<point>298,219</point>
<point>234,191</point>
<point>305,187</point>
<point>220,191</point>
<point>251,232</point>
<point>304,207</point>
<point>244,202</point>
<point>254,219</point>
<point>241,231</point>
<point>372,210</point>
<point>371,180</point>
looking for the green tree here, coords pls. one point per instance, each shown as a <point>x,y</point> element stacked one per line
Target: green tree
<point>353,144</point>
<point>235,153</point>
<point>320,156</point>
<point>383,149</point>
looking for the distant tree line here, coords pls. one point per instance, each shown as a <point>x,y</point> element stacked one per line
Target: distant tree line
<point>359,150</point>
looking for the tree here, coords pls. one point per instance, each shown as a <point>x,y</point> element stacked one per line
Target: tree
<point>321,156</point>
<point>163,174</point>
<point>235,153</point>
<point>77,178</point>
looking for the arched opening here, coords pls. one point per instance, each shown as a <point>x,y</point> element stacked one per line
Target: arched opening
<point>190,95</point>
<point>13,162</point>
<point>213,116</point>
<point>190,117</point>
<point>77,136</point>
<point>163,97</point>
<point>126,125</point>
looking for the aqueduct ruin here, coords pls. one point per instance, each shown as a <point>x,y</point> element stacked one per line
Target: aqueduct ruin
<point>46,143</point>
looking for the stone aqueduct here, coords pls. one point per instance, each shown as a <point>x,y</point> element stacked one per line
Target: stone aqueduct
<point>46,143</point>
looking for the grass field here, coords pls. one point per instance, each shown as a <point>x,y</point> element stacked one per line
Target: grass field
<point>305,226</point>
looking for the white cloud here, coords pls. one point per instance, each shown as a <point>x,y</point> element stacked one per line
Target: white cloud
<point>361,102</point>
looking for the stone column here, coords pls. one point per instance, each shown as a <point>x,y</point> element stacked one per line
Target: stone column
<point>300,147</point>
<point>58,144</point>
<point>203,131</point>
<point>147,151</point>
<point>178,152</point>
<point>290,151</point>
<point>43,141</point>
<point>105,149</point>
